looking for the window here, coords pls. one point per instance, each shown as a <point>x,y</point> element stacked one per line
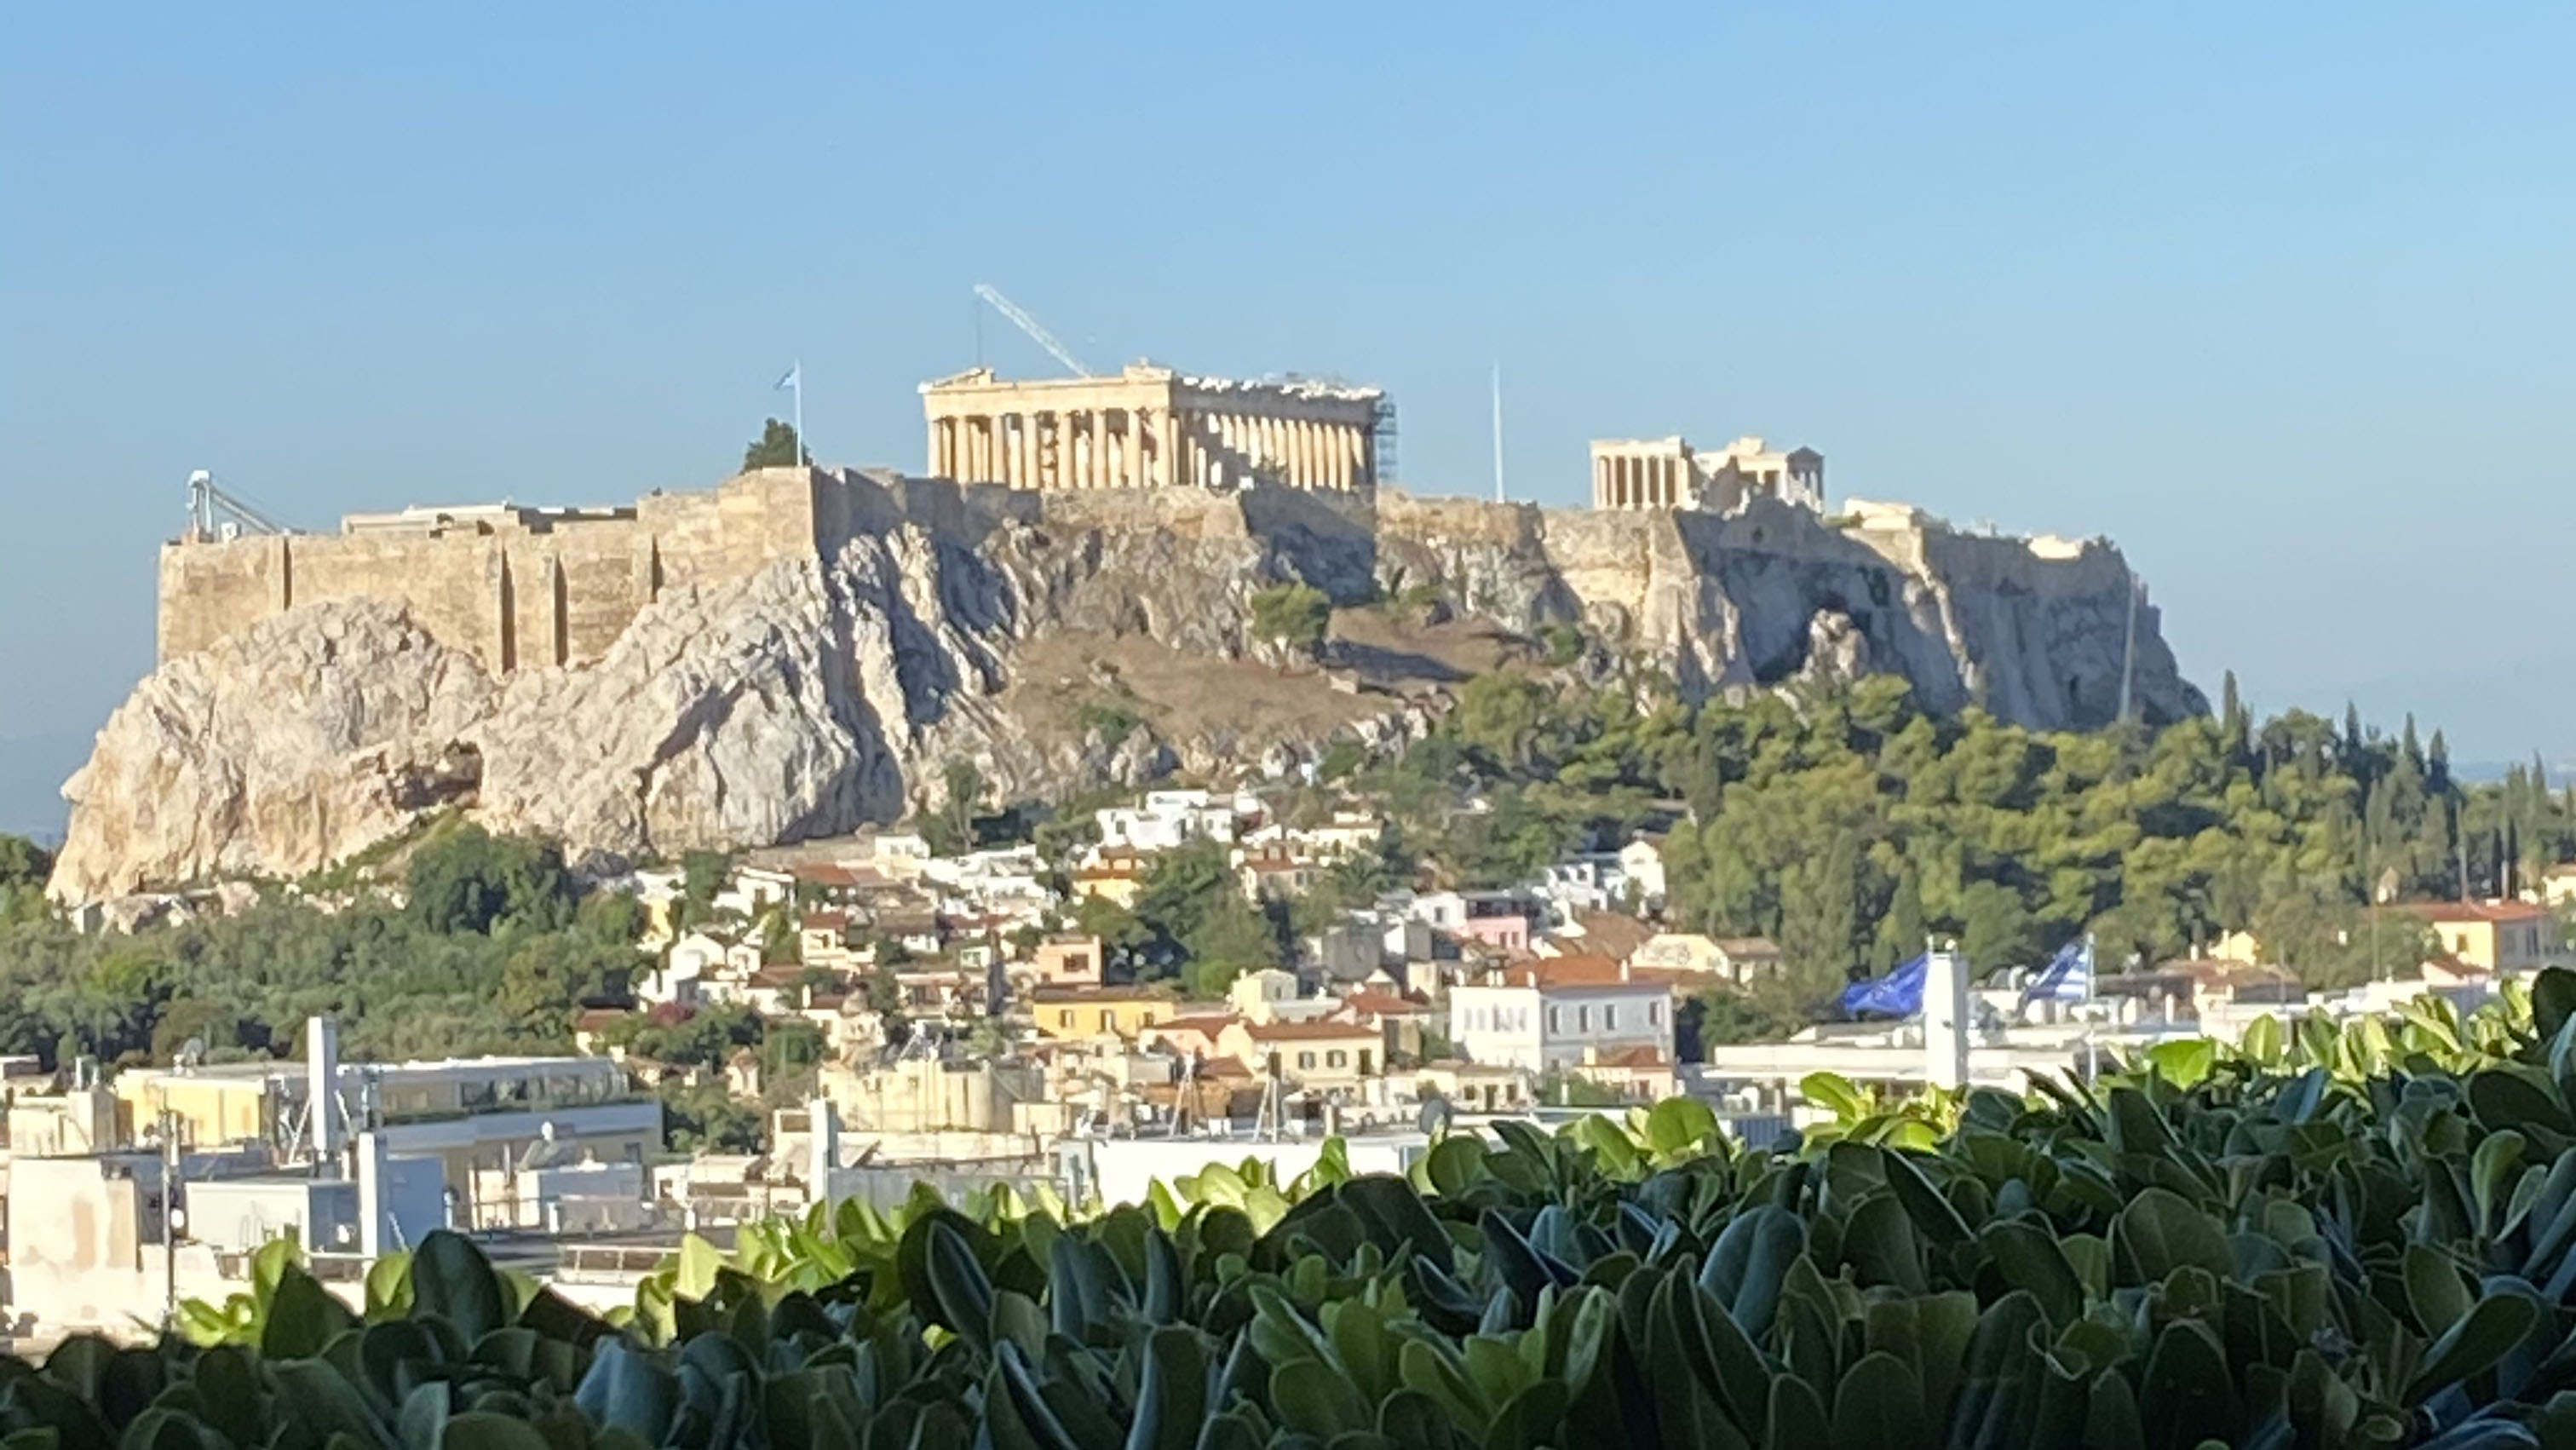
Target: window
<point>1364,1062</point>
<point>1654,1014</point>
<point>1610,1017</point>
<point>1148,1019</point>
<point>1064,1018</point>
<point>1337,1058</point>
<point>1556,1019</point>
<point>1108,1020</point>
<point>1306,1060</point>
<point>1583,1020</point>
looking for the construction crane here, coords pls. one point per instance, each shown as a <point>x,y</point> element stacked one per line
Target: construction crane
<point>1036,331</point>
<point>215,514</point>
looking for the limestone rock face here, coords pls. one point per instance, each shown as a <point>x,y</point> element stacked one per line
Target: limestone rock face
<point>302,740</point>
<point>832,688</point>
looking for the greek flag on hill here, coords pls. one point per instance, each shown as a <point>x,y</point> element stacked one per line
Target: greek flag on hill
<point>1898,994</point>
<point>2068,977</point>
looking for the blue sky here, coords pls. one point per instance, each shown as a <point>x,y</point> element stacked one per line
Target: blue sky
<point>2273,295</point>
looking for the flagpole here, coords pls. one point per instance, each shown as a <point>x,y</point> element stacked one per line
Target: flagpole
<point>803,454</point>
<point>2092,1054</point>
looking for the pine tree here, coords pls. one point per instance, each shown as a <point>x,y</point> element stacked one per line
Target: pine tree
<point>2437,766</point>
<point>777,448</point>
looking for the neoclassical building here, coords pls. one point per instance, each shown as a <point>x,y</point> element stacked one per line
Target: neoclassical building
<point>1151,427</point>
<point>1667,473</point>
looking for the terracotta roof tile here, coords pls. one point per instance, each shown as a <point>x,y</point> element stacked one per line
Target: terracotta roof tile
<point>2496,911</point>
<point>1308,1031</point>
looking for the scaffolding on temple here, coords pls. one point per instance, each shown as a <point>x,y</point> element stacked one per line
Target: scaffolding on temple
<point>1382,444</point>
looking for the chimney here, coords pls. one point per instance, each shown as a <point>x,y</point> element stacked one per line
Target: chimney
<point>322,1086</point>
<point>1623,970</point>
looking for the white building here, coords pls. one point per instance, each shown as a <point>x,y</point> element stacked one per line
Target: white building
<point>1167,820</point>
<point>1560,1012</point>
<point>755,889</point>
<point>1607,881</point>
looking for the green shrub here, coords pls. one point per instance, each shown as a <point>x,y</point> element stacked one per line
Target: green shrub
<point>1293,614</point>
<point>2336,1237</point>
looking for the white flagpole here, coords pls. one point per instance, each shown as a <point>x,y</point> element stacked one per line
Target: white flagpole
<point>2092,1055</point>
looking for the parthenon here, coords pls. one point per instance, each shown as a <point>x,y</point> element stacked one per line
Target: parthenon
<point>1151,427</point>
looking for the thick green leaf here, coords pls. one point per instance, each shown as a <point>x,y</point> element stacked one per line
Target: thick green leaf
<point>2486,1334</point>
<point>2030,1259</point>
<point>451,1280</point>
<point>2159,1232</point>
<point>1879,1406</point>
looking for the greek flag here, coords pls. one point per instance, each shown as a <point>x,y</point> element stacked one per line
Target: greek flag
<point>2068,976</point>
<point>793,379</point>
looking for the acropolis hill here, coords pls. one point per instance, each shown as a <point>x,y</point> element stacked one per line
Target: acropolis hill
<point>798,652</point>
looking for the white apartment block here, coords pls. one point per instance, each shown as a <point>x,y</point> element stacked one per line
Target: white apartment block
<point>1167,820</point>
<point>1560,1011</point>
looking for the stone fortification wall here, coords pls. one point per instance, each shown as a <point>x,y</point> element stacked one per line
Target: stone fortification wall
<point>2035,628</point>
<point>512,596</point>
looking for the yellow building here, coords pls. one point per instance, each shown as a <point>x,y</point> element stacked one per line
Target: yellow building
<point>1083,1013</point>
<point>1116,875</point>
<point>2493,936</point>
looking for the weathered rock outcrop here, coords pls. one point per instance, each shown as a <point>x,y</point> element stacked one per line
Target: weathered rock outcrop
<point>831,686</point>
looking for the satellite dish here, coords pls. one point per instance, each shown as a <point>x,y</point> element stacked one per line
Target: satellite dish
<point>1435,1115</point>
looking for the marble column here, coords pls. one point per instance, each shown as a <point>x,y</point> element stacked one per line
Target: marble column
<point>1167,453</point>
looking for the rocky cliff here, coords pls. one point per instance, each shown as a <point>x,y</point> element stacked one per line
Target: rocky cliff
<point>1056,645</point>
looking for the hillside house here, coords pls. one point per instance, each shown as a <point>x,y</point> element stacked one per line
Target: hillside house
<point>1319,1056</point>
<point>1549,1012</point>
<point>2493,936</point>
<point>1078,1014</point>
<point>1167,820</point>
<point>1497,919</point>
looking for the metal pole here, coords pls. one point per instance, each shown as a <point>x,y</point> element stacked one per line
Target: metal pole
<point>169,1219</point>
<point>2092,1056</point>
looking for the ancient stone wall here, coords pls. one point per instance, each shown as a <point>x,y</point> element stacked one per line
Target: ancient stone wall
<point>1730,598</point>
<point>515,596</point>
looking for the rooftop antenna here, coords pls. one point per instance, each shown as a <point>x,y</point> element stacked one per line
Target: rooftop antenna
<point>1498,433</point>
<point>1037,333</point>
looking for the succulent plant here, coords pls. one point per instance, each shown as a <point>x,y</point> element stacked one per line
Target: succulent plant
<point>2354,1236</point>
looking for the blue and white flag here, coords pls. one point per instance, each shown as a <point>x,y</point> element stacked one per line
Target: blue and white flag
<point>2068,976</point>
<point>794,379</point>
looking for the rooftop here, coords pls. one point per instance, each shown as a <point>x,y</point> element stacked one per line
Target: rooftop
<point>1316,1031</point>
<point>2495,911</point>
